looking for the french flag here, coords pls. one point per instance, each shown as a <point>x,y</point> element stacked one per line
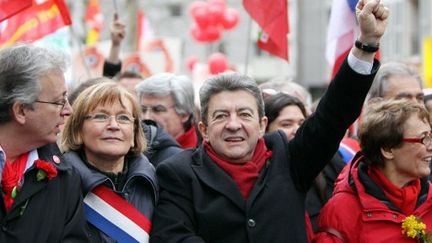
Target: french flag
<point>342,32</point>
<point>114,216</point>
<point>348,148</point>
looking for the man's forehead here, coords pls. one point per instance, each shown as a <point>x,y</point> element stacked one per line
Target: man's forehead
<point>232,100</point>
<point>157,99</point>
<point>403,81</point>
<point>402,84</point>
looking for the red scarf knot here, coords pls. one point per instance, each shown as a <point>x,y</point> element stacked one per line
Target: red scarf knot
<point>244,174</point>
<point>12,178</point>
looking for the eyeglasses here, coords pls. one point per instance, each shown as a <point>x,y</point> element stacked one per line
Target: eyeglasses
<point>155,108</point>
<point>426,140</point>
<point>61,103</point>
<point>104,118</point>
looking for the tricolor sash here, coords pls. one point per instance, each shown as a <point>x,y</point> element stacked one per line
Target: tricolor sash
<point>116,217</point>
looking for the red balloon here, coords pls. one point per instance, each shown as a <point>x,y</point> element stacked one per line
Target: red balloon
<point>201,17</point>
<point>217,63</point>
<point>212,33</point>
<point>209,34</point>
<point>190,62</point>
<point>231,18</point>
<point>198,34</point>
<point>216,10</point>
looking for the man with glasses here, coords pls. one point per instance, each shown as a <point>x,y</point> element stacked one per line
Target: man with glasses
<point>168,99</point>
<point>397,80</point>
<point>40,195</point>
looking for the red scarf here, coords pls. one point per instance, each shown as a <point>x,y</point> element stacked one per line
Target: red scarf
<point>188,139</point>
<point>404,198</point>
<point>244,174</point>
<point>11,177</point>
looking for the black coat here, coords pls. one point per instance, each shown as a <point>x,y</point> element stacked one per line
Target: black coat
<point>46,211</point>
<point>199,202</point>
<point>160,144</point>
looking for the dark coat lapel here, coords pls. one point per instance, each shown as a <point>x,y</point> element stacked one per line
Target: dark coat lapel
<point>260,183</point>
<point>213,176</point>
<point>31,185</point>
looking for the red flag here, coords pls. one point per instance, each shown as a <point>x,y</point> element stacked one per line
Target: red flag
<point>144,30</point>
<point>34,23</point>
<point>272,17</point>
<point>94,19</point>
<point>8,8</point>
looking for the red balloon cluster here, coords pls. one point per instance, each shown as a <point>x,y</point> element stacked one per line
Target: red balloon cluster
<point>211,17</point>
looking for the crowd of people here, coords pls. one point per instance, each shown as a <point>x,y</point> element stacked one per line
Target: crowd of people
<point>128,157</point>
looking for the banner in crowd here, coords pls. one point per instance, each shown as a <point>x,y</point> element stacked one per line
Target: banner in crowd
<point>88,63</point>
<point>8,8</point>
<point>35,22</point>
<point>94,21</point>
<point>133,63</point>
<point>158,55</point>
<point>272,17</point>
<point>427,61</point>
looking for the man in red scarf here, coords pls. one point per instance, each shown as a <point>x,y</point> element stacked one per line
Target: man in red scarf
<point>244,186</point>
<point>40,197</point>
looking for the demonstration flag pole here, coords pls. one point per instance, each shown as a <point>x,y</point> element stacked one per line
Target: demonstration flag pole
<point>115,6</point>
<point>248,44</point>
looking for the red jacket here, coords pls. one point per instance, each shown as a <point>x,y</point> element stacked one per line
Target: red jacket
<point>359,216</point>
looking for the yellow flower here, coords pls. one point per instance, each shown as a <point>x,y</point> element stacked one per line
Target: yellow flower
<point>413,227</point>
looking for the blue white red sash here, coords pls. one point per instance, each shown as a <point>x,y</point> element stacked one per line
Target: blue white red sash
<point>114,216</point>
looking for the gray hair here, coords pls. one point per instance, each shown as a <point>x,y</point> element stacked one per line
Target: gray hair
<point>229,82</point>
<point>179,87</point>
<point>21,68</point>
<point>289,86</point>
<point>379,87</point>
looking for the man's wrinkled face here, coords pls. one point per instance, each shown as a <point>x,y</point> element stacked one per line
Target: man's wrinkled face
<point>234,126</point>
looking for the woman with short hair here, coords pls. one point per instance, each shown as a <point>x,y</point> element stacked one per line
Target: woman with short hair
<point>384,195</point>
<point>104,141</point>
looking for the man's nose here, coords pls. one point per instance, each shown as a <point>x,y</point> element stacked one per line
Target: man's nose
<point>67,109</point>
<point>233,123</point>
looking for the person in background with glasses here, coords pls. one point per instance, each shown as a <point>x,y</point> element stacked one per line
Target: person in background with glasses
<point>40,199</point>
<point>387,180</point>
<point>168,99</point>
<point>104,141</point>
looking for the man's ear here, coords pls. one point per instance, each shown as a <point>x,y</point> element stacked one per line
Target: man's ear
<point>203,130</point>
<point>19,112</point>
<point>387,153</point>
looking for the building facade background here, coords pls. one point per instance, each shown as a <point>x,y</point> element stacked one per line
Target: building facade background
<point>409,24</point>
